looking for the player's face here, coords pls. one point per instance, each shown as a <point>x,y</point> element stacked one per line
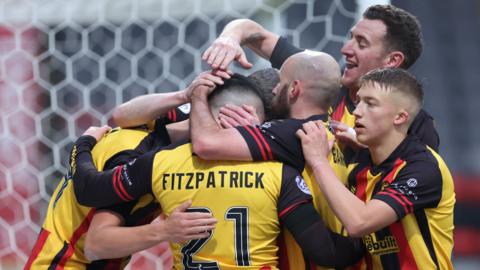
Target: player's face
<point>364,51</point>
<point>280,106</point>
<point>375,113</point>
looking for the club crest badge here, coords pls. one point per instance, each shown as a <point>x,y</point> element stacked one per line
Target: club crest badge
<point>302,185</point>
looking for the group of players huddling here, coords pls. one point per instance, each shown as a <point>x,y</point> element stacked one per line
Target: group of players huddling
<point>303,167</point>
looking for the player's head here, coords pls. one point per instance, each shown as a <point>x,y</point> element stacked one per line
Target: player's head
<point>266,79</point>
<point>386,36</point>
<point>306,79</point>
<point>238,90</point>
<point>388,101</point>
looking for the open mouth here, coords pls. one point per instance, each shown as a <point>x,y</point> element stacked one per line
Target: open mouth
<point>350,65</point>
<point>358,126</point>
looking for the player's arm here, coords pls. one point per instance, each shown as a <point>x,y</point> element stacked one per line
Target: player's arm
<point>209,140</point>
<point>107,238</point>
<point>146,108</point>
<point>318,243</point>
<point>237,33</point>
<point>358,217</point>
<point>99,189</point>
<point>230,116</point>
<point>179,131</point>
<point>227,47</point>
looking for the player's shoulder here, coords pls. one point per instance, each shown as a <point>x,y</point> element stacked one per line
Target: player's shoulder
<point>422,161</point>
<point>123,135</point>
<point>417,152</point>
<point>292,123</point>
<point>115,142</point>
<point>174,151</point>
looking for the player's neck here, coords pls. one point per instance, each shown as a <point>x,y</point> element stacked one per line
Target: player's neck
<point>304,111</point>
<point>352,93</point>
<point>385,146</point>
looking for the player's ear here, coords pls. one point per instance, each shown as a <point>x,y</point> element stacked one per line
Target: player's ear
<point>402,117</point>
<point>295,89</point>
<point>394,59</point>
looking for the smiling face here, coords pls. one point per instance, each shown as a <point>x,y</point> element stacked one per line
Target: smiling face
<point>375,114</point>
<point>364,51</point>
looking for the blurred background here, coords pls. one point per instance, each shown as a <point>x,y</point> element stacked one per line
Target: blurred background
<point>64,65</point>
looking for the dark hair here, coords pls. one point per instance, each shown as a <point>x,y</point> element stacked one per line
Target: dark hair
<point>266,79</point>
<point>396,79</point>
<point>403,31</point>
<point>239,83</point>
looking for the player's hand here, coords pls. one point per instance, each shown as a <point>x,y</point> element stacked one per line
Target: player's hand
<point>223,51</point>
<point>97,132</point>
<point>345,135</point>
<point>231,116</point>
<point>182,226</point>
<point>206,82</point>
<point>315,143</point>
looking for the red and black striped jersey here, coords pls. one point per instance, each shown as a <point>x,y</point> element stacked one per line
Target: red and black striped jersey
<point>276,140</point>
<point>416,183</point>
<point>342,110</point>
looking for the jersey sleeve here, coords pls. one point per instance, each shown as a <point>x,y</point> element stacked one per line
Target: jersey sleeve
<point>275,140</point>
<point>417,186</point>
<point>178,114</point>
<point>283,49</point>
<point>158,137</point>
<point>423,126</point>
<point>121,184</point>
<point>318,243</point>
<point>294,192</point>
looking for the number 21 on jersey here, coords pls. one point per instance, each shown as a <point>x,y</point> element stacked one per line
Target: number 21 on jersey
<point>239,216</point>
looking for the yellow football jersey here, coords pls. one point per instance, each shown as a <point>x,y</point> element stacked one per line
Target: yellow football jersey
<point>61,239</point>
<point>246,198</point>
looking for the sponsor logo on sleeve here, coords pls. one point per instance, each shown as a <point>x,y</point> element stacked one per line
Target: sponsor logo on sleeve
<point>412,182</point>
<point>302,185</point>
<point>185,108</point>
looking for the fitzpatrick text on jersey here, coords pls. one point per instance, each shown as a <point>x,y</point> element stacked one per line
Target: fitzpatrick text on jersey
<point>217,179</point>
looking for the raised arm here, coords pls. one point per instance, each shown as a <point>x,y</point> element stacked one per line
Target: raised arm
<point>146,108</point>
<point>107,239</point>
<point>227,47</point>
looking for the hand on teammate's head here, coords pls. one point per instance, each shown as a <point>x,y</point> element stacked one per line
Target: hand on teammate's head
<point>231,116</point>
<point>97,132</point>
<point>206,82</point>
